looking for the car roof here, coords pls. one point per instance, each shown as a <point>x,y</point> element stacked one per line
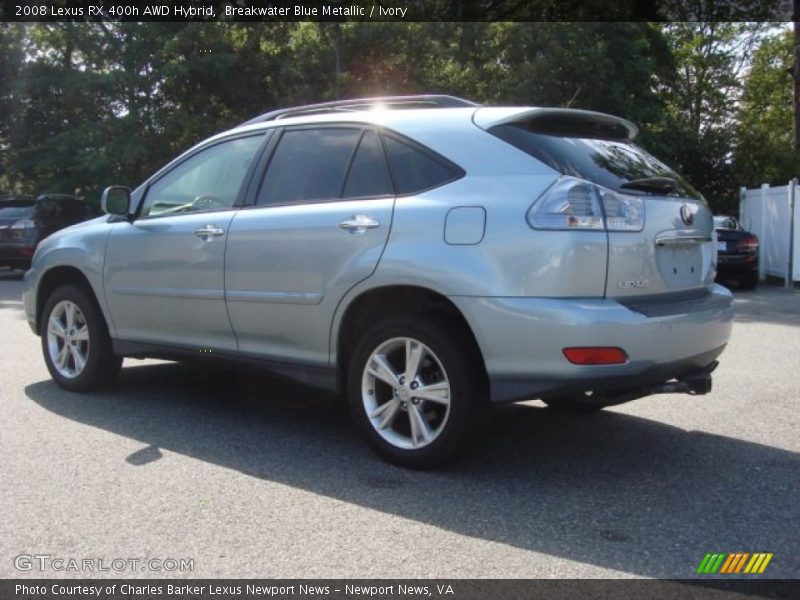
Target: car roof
<point>356,104</point>
<point>406,121</point>
<point>57,197</point>
<point>17,200</point>
<point>442,127</point>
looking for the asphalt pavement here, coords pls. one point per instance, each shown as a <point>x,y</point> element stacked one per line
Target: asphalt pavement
<point>249,475</point>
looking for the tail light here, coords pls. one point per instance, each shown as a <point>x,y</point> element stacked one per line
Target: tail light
<point>19,229</point>
<point>747,244</point>
<point>576,204</point>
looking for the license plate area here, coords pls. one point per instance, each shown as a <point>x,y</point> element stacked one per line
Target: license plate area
<point>680,265</point>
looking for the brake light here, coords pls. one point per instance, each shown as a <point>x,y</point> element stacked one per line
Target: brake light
<point>596,355</point>
<point>748,244</point>
<point>576,204</point>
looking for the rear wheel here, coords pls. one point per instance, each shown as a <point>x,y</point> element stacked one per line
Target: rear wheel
<point>415,387</point>
<point>75,341</point>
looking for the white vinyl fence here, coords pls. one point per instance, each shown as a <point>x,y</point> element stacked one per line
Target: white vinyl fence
<point>771,214</point>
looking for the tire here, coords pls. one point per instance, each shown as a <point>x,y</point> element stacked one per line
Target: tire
<point>402,428</point>
<point>750,282</point>
<point>75,341</point>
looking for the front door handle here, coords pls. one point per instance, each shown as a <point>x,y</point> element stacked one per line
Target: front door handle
<point>359,224</point>
<point>209,232</point>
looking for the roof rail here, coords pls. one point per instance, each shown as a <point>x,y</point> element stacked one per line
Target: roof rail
<point>423,101</point>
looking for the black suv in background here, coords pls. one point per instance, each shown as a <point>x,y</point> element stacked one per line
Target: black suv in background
<point>25,221</point>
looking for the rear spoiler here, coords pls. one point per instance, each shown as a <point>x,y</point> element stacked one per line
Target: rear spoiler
<point>566,121</point>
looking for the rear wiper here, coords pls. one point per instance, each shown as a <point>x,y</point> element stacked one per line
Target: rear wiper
<point>652,184</point>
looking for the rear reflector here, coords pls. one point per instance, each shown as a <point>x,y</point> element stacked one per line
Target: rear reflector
<point>596,356</point>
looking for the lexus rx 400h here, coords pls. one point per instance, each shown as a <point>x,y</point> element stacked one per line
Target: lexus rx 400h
<point>426,256</point>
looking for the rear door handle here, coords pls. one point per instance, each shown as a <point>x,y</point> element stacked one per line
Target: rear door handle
<point>359,224</point>
<point>209,232</point>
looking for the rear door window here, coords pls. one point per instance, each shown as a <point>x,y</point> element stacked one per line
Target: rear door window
<point>309,165</point>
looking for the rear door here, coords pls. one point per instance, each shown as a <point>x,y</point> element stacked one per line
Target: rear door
<point>675,249</point>
<point>316,226</point>
<point>674,252</point>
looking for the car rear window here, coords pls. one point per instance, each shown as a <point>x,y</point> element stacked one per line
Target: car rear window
<point>725,223</point>
<point>603,159</point>
<point>14,210</point>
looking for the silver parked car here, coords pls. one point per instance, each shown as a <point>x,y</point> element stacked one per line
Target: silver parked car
<point>424,255</point>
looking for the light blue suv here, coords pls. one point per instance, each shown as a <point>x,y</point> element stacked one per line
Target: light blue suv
<point>424,255</point>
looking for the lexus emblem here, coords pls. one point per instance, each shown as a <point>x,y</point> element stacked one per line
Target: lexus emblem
<point>687,214</point>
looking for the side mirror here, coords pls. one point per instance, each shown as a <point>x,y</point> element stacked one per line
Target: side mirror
<point>116,200</point>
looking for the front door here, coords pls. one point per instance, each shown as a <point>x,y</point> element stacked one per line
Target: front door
<point>164,272</point>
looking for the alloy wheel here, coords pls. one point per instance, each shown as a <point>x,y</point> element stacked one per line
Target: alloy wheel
<point>406,393</point>
<point>68,339</point>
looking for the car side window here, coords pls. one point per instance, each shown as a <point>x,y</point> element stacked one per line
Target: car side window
<point>416,170</point>
<point>369,174</point>
<point>309,165</point>
<point>208,180</point>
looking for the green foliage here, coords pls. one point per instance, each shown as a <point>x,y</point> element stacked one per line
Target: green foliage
<point>85,105</point>
<point>764,152</point>
<point>699,126</point>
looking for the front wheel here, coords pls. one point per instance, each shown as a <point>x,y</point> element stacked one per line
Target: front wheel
<point>415,387</point>
<point>75,341</point>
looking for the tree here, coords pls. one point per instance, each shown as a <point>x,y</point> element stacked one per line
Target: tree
<point>698,132</point>
<point>54,140</point>
<point>764,153</point>
<point>12,50</point>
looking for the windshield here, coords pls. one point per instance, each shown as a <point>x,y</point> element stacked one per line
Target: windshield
<point>607,162</point>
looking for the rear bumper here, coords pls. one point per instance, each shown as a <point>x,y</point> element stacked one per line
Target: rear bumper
<point>18,255</point>
<point>731,265</point>
<point>522,339</point>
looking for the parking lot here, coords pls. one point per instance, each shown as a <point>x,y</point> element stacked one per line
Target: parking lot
<point>251,475</point>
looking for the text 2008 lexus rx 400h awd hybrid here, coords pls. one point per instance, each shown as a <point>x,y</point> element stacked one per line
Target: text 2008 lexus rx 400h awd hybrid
<point>424,255</point>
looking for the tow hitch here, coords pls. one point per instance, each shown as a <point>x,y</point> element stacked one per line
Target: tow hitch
<point>695,383</point>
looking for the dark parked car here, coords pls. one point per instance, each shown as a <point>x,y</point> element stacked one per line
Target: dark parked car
<point>25,221</point>
<point>737,253</point>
